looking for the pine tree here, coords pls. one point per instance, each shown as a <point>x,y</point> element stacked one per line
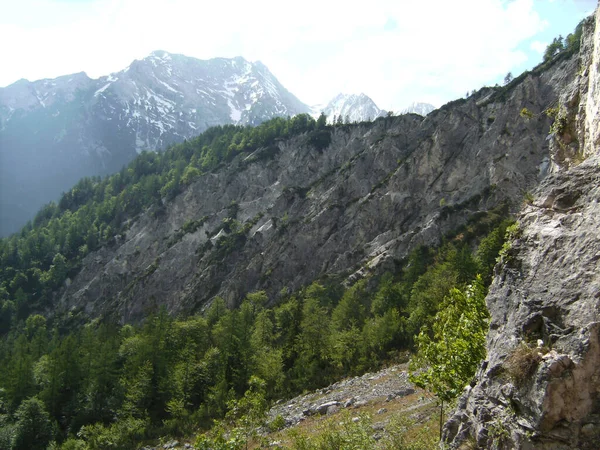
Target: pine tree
<point>321,121</point>
<point>33,429</point>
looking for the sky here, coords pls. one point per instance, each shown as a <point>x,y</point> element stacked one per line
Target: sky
<point>395,51</point>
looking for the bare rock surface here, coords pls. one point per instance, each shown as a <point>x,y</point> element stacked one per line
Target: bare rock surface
<point>540,387</point>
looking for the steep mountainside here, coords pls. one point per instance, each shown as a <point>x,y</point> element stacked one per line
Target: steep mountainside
<point>351,108</point>
<point>295,212</point>
<point>539,388</point>
<point>53,132</point>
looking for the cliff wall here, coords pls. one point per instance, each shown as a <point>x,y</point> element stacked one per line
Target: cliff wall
<point>540,386</point>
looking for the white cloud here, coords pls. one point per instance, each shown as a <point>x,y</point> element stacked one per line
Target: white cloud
<point>537,46</point>
<point>436,51</point>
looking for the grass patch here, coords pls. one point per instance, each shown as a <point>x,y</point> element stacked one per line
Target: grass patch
<point>522,363</point>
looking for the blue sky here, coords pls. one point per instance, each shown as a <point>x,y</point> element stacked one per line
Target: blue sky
<point>395,51</point>
<point>562,18</point>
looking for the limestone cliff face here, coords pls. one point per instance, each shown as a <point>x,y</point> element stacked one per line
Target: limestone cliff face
<point>302,213</point>
<point>545,298</point>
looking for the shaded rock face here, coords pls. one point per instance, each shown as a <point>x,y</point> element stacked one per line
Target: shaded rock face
<point>357,206</point>
<point>545,299</point>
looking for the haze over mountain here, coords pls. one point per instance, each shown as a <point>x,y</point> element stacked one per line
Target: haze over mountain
<point>54,132</point>
<point>351,108</point>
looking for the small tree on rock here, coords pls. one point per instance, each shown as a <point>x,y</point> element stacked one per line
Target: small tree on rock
<point>322,121</point>
<point>449,354</point>
<point>554,48</point>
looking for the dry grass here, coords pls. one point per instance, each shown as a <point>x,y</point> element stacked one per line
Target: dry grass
<point>522,363</point>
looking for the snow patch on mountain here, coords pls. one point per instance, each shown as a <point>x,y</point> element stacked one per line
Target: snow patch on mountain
<point>418,108</point>
<point>350,107</point>
<point>102,89</point>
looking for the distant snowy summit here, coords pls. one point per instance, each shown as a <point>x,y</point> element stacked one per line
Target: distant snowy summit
<point>56,131</point>
<point>350,107</point>
<point>162,98</point>
<point>183,96</point>
<point>418,108</point>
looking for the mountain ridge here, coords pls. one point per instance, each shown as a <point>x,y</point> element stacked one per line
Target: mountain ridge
<point>302,217</point>
<point>56,131</point>
<point>322,212</point>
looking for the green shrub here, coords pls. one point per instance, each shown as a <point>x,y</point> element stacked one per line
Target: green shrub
<point>278,423</point>
<point>347,434</point>
<point>526,114</point>
<point>124,433</point>
<point>512,232</point>
<point>73,444</point>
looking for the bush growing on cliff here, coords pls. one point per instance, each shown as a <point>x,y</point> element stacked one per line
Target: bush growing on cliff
<point>448,355</point>
<point>554,48</point>
<point>522,363</point>
<point>570,44</point>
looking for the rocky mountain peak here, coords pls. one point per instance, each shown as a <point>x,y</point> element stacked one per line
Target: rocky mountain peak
<point>60,130</point>
<point>418,108</point>
<point>351,107</point>
<point>342,202</point>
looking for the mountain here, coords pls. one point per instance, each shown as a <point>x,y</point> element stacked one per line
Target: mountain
<point>312,253</point>
<point>54,132</point>
<point>418,108</point>
<point>352,108</point>
<point>337,202</point>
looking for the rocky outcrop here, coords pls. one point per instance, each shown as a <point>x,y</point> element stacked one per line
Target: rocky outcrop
<point>383,386</point>
<point>540,387</point>
<point>301,213</point>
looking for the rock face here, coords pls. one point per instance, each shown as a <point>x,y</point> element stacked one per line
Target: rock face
<point>54,132</point>
<point>301,213</point>
<point>540,387</point>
